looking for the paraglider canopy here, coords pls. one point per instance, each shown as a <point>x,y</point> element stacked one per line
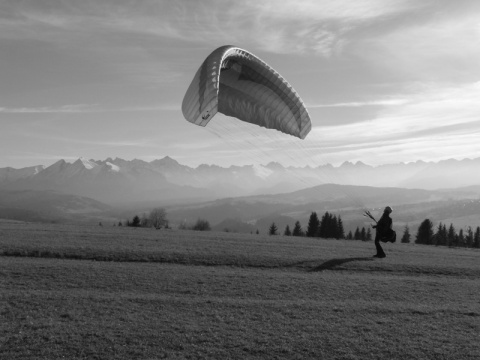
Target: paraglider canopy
<point>236,83</point>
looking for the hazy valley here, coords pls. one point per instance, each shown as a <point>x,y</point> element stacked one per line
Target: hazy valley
<point>241,198</point>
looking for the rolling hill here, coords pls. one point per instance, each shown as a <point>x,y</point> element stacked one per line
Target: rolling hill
<point>241,198</point>
<point>51,206</point>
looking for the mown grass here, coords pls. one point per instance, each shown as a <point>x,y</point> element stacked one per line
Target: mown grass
<point>180,294</point>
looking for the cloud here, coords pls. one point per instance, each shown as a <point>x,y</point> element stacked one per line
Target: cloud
<point>425,124</point>
<point>441,45</point>
<point>386,102</point>
<point>91,144</point>
<point>86,108</point>
<point>289,26</point>
<point>78,108</point>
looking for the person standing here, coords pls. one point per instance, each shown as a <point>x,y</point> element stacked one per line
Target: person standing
<point>383,231</point>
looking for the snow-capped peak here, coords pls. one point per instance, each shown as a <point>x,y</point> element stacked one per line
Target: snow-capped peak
<point>113,167</point>
<point>38,168</point>
<point>88,164</point>
<point>262,171</point>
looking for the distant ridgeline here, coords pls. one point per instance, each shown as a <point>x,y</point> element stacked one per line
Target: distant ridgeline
<point>136,180</point>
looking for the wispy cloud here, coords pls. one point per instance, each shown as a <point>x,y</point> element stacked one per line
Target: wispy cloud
<point>441,45</point>
<point>85,143</point>
<point>387,102</point>
<point>85,108</point>
<point>428,120</point>
<point>79,108</point>
<point>286,26</point>
<point>411,66</point>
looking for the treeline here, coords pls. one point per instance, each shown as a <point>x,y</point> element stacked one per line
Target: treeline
<point>364,235</point>
<point>157,218</point>
<point>200,225</point>
<point>330,226</point>
<point>442,236</point>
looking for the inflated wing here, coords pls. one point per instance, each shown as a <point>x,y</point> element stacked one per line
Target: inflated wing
<point>237,83</point>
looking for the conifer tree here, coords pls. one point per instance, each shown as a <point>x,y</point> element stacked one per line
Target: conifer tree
<point>469,237</point>
<point>273,229</point>
<point>460,238</point>
<point>363,234</point>
<point>425,233</point>
<point>476,238</point>
<point>406,235</point>
<point>451,236</point>
<point>297,229</point>
<point>441,235</point>
<point>313,225</point>
<point>325,224</point>
<point>350,235</point>
<point>287,231</point>
<point>444,235</point>
<point>332,230</point>
<point>437,236</point>
<point>135,221</point>
<point>357,235</point>
<point>340,229</point>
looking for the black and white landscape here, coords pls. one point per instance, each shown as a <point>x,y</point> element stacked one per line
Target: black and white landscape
<point>241,198</point>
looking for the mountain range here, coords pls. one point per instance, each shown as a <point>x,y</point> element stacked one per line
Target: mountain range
<point>241,198</point>
<point>117,181</point>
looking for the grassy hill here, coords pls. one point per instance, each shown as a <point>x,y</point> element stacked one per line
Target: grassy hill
<point>51,206</point>
<point>124,293</point>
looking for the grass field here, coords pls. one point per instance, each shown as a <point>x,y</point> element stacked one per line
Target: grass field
<point>121,293</point>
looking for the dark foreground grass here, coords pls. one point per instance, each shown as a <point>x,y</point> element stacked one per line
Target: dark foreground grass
<point>206,295</point>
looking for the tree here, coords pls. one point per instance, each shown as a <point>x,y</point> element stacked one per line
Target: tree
<point>135,221</point>
<point>313,225</point>
<point>441,235</point>
<point>451,236</point>
<point>445,234</point>
<point>297,229</point>
<point>476,238</point>
<point>425,233</point>
<point>469,237</point>
<point>330,227</point>
<point>273,229</point>
<point>460,238</point>
<point>327,226</point>
<point>340,230</point>
<point>158,217</point>
<point>350,235</point>
<point>406,235</point>
<point>201,225</point>
<point>363,234</point>
<point>287,231</point>
<point>357,235</point>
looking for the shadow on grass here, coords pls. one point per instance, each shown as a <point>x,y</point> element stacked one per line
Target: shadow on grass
<point>332,264</point>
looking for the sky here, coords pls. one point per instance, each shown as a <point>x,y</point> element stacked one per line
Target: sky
<point>384,81</point>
